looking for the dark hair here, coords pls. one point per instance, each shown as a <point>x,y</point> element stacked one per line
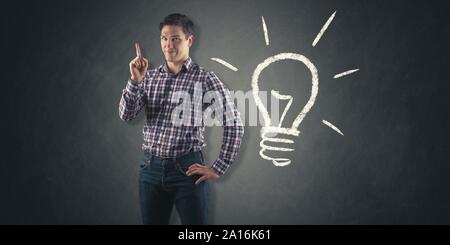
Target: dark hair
<point>177,19</point>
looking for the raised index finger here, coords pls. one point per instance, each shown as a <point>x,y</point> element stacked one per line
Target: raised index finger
<point>138,50</point>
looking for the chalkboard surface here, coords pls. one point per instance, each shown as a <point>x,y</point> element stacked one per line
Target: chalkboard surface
<point>69,159</point>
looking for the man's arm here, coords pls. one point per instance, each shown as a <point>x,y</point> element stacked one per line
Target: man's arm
<point>232,133</point>
<point>133,98</point>
<point>233,129</point>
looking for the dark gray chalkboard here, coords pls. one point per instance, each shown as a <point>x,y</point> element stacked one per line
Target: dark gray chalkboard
<point>69,159</point>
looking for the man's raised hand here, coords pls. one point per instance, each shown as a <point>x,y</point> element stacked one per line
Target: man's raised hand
<point>138,66</point>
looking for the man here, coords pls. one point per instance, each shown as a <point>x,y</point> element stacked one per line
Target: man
<point>173,169</point>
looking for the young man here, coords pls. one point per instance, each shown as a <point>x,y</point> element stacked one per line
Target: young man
<point>173,169</point>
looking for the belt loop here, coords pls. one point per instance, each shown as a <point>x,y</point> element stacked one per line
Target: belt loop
<point>201,155</point>
<point>146,155</point>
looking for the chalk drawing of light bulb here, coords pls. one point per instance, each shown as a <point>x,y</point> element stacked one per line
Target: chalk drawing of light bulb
<point>268,128</point>
<point>269,132</point>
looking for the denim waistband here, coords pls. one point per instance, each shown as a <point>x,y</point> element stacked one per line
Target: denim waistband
<point>175,159</point>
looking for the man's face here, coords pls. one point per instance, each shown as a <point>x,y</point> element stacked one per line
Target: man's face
<point>174,44</point>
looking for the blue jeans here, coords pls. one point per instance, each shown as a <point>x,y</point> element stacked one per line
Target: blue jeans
<point>163,182</point>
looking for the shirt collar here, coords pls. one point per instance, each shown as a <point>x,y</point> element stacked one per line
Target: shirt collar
<point>184,68</point>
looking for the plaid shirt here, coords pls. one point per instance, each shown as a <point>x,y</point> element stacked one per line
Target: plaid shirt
<point>161,137</point>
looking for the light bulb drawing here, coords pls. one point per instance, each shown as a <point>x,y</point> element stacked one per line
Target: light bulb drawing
<point>274,133</point>
<point>268,128</point>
